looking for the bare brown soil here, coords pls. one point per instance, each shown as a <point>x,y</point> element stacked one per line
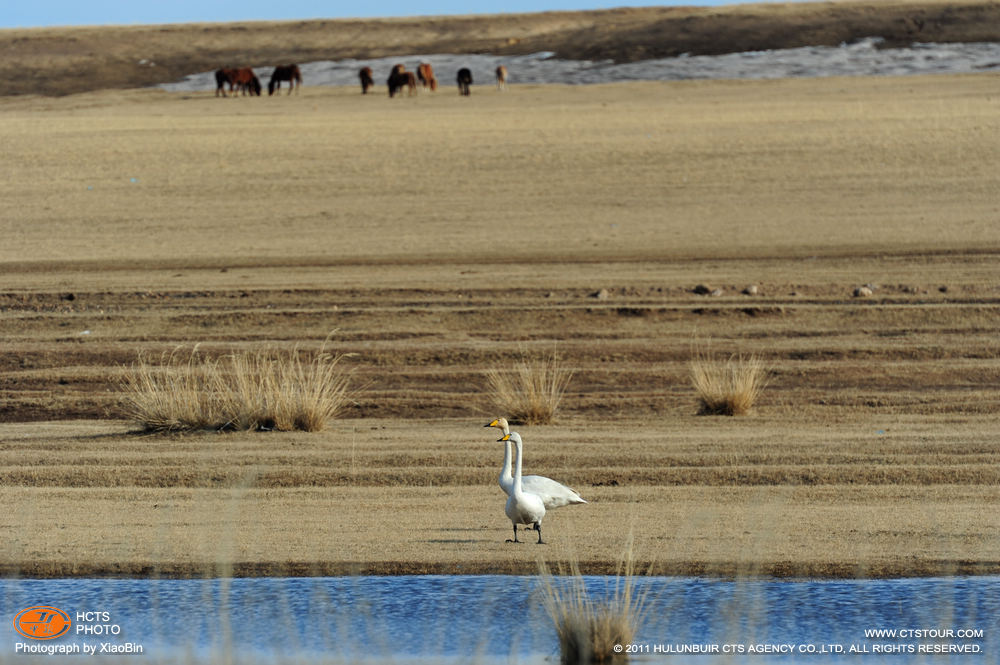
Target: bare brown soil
<point>59,61</point>
<point>439,237</point>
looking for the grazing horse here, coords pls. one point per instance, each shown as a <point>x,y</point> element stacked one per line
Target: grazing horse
<point>410,81</point>
<point>501,78</point>
<point>288,73</point>
<point>366,79</point>
<point>243,80</point>
<point>464,79</point>
<point>399,78</point>
<point>426,75</point>
<point>224,77</point>
<point>246,81</point>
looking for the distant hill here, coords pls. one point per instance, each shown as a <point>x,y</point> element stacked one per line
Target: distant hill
<point>59,61</point>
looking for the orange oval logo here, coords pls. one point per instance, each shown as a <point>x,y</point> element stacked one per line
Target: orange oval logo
<point>42,622</point>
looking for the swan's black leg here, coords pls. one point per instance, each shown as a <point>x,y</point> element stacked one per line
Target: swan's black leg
<point>538,528</point>
<point>515,536</point>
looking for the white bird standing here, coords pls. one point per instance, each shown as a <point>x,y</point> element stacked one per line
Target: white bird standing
<point>523,507</point>
<point>553,494</point>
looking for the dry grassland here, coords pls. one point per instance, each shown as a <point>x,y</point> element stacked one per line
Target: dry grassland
<point>716,497</point>
<point>441,237</point>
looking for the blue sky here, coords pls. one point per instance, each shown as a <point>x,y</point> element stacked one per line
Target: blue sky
<point>32,13</point>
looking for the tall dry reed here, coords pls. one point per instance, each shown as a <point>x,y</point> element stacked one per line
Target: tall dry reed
<point>266,389</point>
<point>530,391</point>
<point>729,388</point>
<point>589,629</point>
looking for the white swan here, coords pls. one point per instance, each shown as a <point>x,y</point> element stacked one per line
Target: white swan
<point>523,507</point>
<point>554,495</point>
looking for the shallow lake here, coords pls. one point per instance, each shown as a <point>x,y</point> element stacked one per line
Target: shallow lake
<point>494,619</point>
<point>865,57</point>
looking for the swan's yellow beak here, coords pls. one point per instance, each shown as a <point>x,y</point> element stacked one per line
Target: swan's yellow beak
<point>505,437</point>
<point>500,423</point>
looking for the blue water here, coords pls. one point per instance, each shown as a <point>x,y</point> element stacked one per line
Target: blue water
<point>500,619</point>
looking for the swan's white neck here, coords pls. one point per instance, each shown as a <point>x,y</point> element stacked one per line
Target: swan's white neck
<point>517,468</point>
<point>505,478</point>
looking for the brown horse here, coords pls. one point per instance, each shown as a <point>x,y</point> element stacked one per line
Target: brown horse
<point>367,81</point>
<point>426,75</point>
<point>399,78</point>
<point>501,78</point>
<point>246,81</point>
<point>464,79</point>
<point>288,73</point>
<point>242,80</point>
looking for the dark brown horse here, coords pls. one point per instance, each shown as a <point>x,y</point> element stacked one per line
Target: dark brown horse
<point>425,73</point>
<point>464,79</point>
<point>367,81</point>
<point>400,78</point>
<point>223,77</point>
<point>410,81</point>
<point>288,73</point>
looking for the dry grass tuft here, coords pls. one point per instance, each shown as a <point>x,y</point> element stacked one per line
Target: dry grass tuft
<point>530,391</point>
<point>261,390</point>
<point>729,388</point>
<point>588,629</point>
